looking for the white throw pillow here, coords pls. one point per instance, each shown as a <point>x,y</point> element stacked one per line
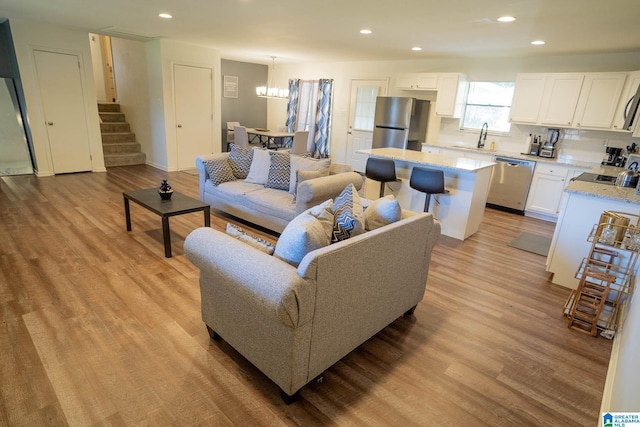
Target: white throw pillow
<point>381,212</point>
<point>308,231</point>
<point>260,164</point>
<point>305,163</point>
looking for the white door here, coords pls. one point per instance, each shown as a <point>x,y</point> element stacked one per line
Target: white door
<point>194,113</point>
<point>361,113</point>
<point>60,84</point>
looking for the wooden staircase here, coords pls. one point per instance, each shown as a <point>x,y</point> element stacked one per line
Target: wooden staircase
<point>119,144</point>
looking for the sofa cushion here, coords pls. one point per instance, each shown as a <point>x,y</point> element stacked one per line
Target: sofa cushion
<point>348,215</point>
<point>254,241</point>
<point>219,171</point>
<point>304,163</point>
<point>302,175</point>
<point>271,202</point>
<point>381,212</point>
<point>240,160</point>
<point>279,171</point>
<point>307,232</point>
<point>259,170</point>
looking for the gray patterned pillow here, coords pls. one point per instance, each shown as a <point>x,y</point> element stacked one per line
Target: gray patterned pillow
<point>219,171</point>
<point>348,215</point>
<point>255,241</point>
<point>240,160</point>
<point>279,171</point>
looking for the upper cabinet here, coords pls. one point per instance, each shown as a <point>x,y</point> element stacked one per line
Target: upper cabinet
<point>560,99</point>
<point>450,87</point>
<point>417,81</point>
<point>527,98</point>
<point>570,100</point>
<point>599,100</point>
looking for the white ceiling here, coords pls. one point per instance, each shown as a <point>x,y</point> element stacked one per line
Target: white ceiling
<point>328,30</point>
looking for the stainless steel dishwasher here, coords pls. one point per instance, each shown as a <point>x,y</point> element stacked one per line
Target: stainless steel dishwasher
<point>510,183</point>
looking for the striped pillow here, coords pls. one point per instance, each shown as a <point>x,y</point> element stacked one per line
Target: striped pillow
<point>279,171</point>
<point>219,171</point>
<point>240,160</point>
<point>348,215</point>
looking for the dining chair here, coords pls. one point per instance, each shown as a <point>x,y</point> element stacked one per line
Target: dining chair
<point>240,136</point>
<point>230,133</point>
<point>300,143</point>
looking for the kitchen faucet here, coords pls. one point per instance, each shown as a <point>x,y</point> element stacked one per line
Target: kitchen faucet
<point>481,141</point>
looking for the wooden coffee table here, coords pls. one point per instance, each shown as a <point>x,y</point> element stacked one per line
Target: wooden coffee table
<point>178,204</point>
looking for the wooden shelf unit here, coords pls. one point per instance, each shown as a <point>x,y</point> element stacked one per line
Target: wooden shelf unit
<point>607,276</point>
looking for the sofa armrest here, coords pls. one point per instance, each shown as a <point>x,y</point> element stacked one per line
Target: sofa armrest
<point>312,192</point>
<point>267,283</point>
<point>202,170</point>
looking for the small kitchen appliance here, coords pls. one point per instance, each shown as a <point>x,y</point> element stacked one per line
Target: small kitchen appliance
<point>534,148</point>
<point>614,157</point>
<point>549,148</point>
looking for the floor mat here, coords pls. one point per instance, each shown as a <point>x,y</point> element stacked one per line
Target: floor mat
<point>532,243</point>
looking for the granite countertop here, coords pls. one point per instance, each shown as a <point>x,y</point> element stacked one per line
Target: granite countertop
<point>604,191</point>
<point>565,161</point>
<point>433,160</point>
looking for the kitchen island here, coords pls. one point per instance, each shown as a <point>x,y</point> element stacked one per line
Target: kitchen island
<point>461,210</point>
<point>582,206</point>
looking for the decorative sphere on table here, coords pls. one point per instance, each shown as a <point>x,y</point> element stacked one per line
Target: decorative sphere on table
<point>165,190</point>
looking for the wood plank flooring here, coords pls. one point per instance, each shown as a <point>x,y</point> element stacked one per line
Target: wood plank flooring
<point>99,328</point>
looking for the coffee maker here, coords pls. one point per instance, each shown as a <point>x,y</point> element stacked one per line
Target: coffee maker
<point>614,157</point>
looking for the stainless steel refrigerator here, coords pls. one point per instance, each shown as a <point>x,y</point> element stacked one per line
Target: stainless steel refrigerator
<point>400,122</point>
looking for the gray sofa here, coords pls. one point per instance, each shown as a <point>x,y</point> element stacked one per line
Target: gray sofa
<point>268,207</point>
<point>294,323</point>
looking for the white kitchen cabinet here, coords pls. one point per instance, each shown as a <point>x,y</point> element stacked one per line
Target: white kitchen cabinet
<point>628,92</point>
<point>546,189</point>
<point>560,99</point>
<point>599,100</point>
<point>452,89</point>
<point>527,98</point>
<point>417,81</point>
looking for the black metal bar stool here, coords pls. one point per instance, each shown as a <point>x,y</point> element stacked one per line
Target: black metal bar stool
<point>382,170</point>
<point>429,181</point>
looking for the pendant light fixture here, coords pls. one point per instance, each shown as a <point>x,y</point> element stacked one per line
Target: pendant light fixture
<point>271,90</point>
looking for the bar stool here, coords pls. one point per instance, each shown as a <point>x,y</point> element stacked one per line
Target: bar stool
<point>429,181</point>
<point>382,170</point>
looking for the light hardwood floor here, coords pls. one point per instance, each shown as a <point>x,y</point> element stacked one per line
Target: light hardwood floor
<point>98,327</point>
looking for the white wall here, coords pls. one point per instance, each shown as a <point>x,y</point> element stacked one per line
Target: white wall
<point>132,88</point>
<point>161,56</point>
<point>28,36</point>
<point>583,145</point>
<point>98,67</point>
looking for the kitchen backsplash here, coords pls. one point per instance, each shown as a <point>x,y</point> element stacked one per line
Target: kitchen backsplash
<point>583,145</point>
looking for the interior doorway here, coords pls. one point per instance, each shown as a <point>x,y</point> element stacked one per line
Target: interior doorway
<point>103,72</point>
<point>193,92</point>
<point>361,114</point>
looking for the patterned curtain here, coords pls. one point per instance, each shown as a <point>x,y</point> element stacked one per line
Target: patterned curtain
<point>323,119</point>
<point>292,106</point>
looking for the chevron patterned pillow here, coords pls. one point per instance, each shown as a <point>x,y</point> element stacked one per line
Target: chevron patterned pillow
<point>279,171</point>
<point>348,215</point>
<point>240,160</point>
<point>219,171</point>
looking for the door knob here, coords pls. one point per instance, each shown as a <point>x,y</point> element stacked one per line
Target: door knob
<point>179,126</point>
<point>50,123</point>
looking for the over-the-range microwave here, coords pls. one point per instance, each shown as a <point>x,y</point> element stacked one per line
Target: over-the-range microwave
<point>632,114</point>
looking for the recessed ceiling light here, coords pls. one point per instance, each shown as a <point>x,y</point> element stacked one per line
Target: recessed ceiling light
<point>538,42</point>
<point>506,19</point>
<point>416,48</point>
<point>165,16</point>
<point>365,31</point>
